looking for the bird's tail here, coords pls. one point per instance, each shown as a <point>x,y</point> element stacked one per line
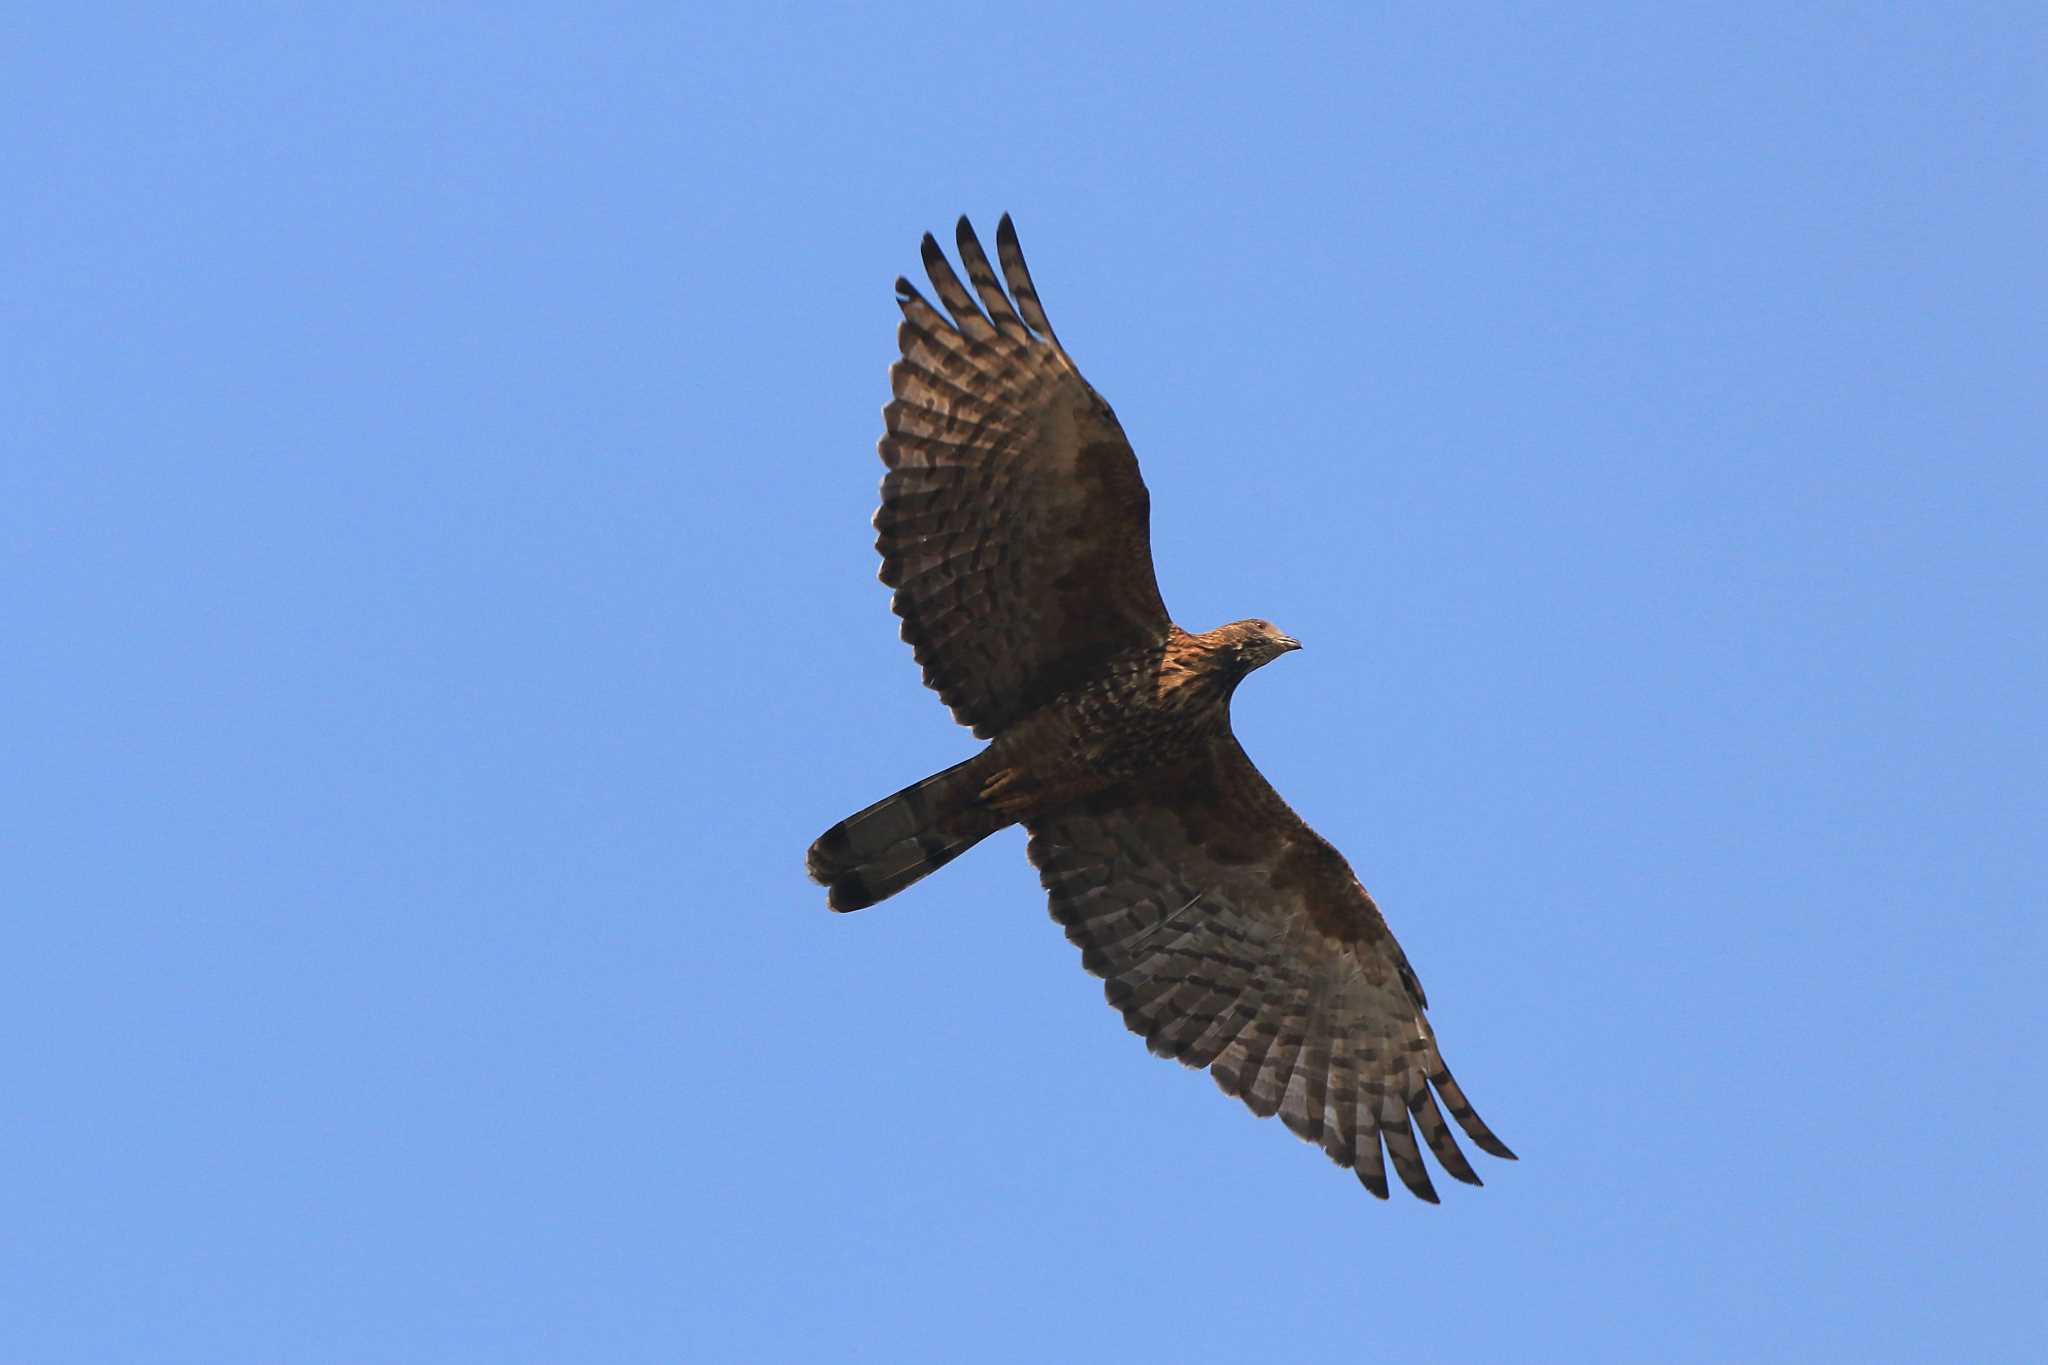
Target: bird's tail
<point>871,856</point>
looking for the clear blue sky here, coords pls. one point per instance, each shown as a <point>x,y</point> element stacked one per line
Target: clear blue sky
<point>440,609</point>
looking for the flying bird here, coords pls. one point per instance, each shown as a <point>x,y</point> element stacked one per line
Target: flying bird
<point>1016,533</point>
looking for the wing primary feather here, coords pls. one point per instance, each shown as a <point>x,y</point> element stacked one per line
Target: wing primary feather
<point>1401,1146</point>
<point>983,277</point>
<point>1312,1065</point>
<point>1461,1110</point>
<point>1021,287</point>
<point>954,294</point>
<point>925,321</point>
<point>1368,1164</point>
<point>1340,1130</point>
<point>1437,1134</point>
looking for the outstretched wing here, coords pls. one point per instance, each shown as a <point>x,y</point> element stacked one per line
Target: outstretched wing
<point>1233,937</point>
<point>1014,526</point>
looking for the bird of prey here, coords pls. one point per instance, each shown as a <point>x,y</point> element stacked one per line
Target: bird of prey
<point>1016,533</point>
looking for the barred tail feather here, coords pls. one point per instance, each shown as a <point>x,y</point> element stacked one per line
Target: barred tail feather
<point>871,856</point>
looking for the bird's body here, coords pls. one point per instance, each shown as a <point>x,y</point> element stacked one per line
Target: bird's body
<point>1149,716</point>
<point>1146,715</point>
<point>1015,530</point>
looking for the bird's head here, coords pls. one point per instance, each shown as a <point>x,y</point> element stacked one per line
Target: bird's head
<point>1254,644</point>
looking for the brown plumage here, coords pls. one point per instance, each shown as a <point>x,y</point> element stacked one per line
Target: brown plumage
<point>1016,532</point>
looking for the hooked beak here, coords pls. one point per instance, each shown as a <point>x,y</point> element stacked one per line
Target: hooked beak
<point>1288,644</point>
